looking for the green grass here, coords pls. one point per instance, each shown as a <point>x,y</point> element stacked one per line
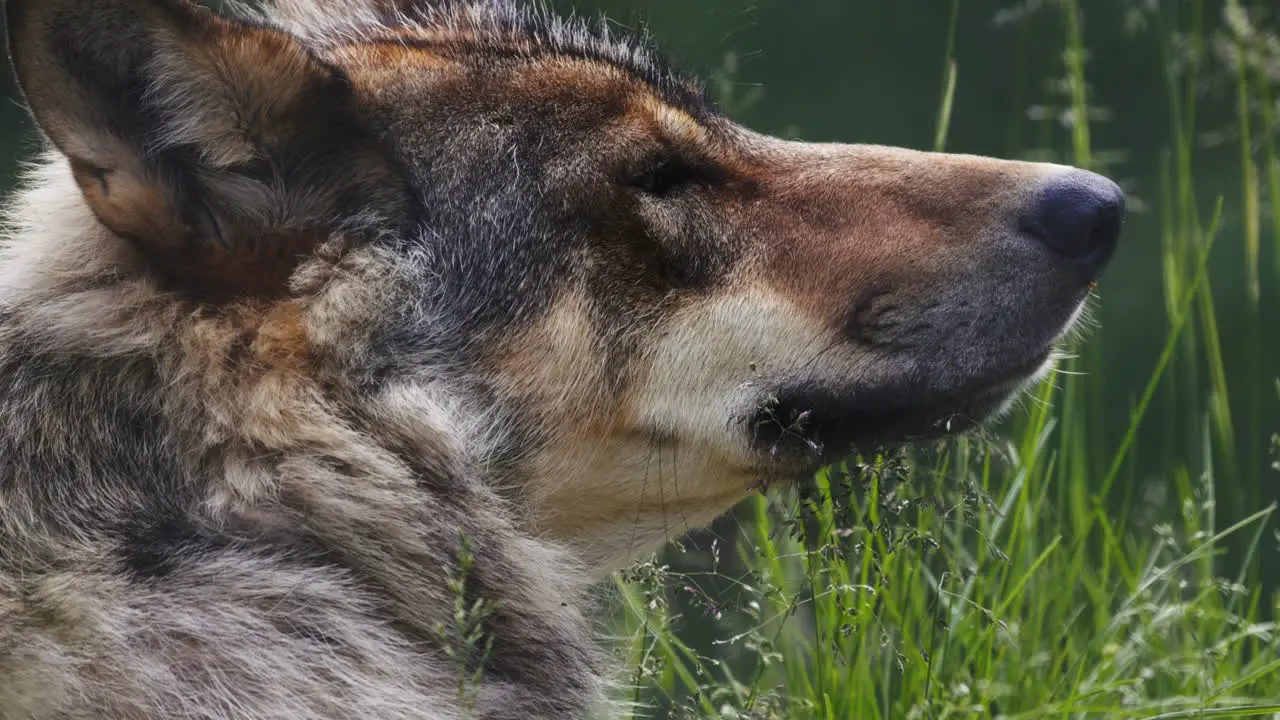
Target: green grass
<point>1013,574</point>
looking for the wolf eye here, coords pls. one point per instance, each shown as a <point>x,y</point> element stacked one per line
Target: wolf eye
<point>664,176</point>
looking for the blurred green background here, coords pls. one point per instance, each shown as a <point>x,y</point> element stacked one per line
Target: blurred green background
<point>873,71</point>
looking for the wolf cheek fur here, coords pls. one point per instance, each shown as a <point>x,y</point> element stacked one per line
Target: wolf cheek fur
<point>313,321</point>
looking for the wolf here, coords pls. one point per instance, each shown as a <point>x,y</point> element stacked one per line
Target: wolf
<point>322,321</point>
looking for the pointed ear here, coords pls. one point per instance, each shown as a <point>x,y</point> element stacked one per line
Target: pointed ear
<point>223,150</point>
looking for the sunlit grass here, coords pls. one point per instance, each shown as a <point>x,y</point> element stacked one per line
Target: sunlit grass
<point>993,576</point>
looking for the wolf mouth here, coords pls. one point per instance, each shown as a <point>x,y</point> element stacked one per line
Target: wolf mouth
<point>811,424</point>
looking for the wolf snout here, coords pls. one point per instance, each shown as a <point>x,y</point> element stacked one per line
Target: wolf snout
<point>1077,215</point>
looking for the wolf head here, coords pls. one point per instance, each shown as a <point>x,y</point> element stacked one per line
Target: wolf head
<point>527,245</point>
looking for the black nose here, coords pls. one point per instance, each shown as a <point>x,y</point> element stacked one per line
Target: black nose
<point>1078,215</point>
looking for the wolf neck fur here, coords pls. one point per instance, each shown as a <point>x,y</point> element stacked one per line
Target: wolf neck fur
<point>73,324</point>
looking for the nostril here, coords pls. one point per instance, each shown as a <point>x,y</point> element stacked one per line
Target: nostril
<point>1078,215</point>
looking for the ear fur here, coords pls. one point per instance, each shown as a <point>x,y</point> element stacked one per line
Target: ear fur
<point>223,150</point>
<point>322,17</point>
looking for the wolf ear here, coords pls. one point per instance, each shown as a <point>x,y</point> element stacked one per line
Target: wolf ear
<point>223,150</point>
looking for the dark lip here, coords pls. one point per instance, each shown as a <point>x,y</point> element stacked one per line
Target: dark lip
<point>809,425</point>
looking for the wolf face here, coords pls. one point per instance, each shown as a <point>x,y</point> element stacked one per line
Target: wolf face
<point>639,309</point>
<point>671,309</point>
